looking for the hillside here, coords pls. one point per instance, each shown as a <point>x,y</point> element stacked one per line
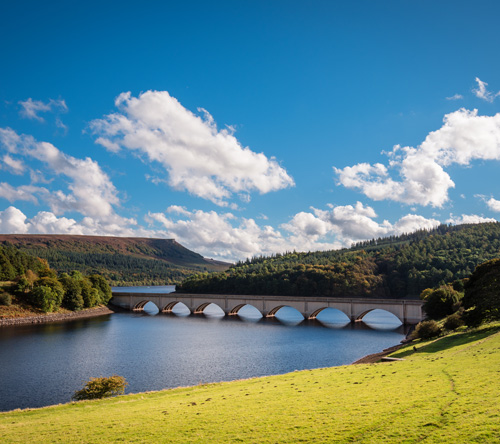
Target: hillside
<point>445,391</point>
<point>394,267</point>
<point>121,260</point>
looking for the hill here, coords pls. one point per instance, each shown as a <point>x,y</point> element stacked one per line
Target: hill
<point>121,260</point>
<point>393,267</point>
<point>445,391</point>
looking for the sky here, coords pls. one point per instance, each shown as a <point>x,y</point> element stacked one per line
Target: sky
<point>248,128</point>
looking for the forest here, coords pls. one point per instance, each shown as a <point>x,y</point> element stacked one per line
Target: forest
<point>392,267</point>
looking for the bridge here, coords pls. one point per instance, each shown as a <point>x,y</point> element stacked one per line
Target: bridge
<point>408,311</point>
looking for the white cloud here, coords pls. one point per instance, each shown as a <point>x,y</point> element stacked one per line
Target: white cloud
<point>197,156</point>
<point>493,205</point>
<point>468,219</point>
<point>89,189</point>
<point>15,166</point>
<point>455,97</point>
<point>483,93</point>
<point>465,136</point>
<point>229,237</point>
<point>31,109</point>
<point>219,235</point>
<point>23,192</point>
<point>14,221</point>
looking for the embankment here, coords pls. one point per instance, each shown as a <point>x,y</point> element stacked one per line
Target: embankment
<point>57,317</point>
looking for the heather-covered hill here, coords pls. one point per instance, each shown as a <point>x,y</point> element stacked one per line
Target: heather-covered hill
<point>121,260</point>
<point>394,267</point>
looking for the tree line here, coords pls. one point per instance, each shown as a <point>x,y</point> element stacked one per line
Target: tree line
<point>31,281</point>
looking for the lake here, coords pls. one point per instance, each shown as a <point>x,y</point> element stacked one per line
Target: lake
<point>45,364</point>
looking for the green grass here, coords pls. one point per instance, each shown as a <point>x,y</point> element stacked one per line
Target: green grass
<point>446,391</point>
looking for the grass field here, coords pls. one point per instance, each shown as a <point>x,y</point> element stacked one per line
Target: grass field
<point>448,391</point>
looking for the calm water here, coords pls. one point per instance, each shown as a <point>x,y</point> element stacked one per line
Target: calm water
<point>45,364</point>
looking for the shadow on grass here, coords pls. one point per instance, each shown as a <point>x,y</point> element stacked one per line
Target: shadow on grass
<point>449,341</point>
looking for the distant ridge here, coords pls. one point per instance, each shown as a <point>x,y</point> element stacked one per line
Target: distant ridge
<point>121,260</point>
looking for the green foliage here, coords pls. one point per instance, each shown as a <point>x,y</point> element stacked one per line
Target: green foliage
<point>427,330</point>
<point>97,388</point>
<point>73,299</point>
<point>394,267</point>
<point>5,298</point>
<point>453,321</point>
<point>482,294</point>
<point>441,302</point>
<point>44,298</point>
<point>103,289</point>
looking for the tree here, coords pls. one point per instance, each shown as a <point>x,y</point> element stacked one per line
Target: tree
<point>55,286</point>
<point>44,298</point>
<point>72,293</point>
<point>97,388</point>
<point>102,287</point>
<point>482,293</point>
<point>441,302</point>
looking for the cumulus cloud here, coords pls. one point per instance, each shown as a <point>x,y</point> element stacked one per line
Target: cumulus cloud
<point>14,221</point>
<point>89,189</point>
<point>482,92</point>
<point>31,109</point>
<point>493,205</point>
<point>196,155</point>
<point>219,235</point>
<point>465,136</point>
<point>229,237</point>
<point>468,219</point>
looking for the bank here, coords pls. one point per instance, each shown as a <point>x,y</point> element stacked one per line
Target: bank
<point>62,316</point>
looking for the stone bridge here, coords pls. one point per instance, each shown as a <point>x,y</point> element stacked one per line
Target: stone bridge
<point>408,311</point>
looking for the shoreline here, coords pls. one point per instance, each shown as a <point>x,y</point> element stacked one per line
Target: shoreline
<point>57,317</point>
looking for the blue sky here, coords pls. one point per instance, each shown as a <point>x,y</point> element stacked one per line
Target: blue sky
<point>247,128</point>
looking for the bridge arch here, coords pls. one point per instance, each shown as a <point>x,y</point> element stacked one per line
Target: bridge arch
<point>395,313</point>
<point>245,310</point>
<point>140,306</point>
<point>272,313</point>
<point>315,313</point>
<point>201,309</point>
<point>169,307</point>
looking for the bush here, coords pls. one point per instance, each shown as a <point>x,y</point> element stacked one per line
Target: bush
<point>453,321</point>
<point>97,388</point>
<point>5,299</point>
<point>427,330</point>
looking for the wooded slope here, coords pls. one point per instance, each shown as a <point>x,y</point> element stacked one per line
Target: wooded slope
<point>121,260</point>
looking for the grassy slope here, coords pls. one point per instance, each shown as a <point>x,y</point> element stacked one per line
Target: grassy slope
<point>447,391</point>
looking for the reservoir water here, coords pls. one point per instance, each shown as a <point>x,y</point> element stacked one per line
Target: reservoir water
<point>45,364</point>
